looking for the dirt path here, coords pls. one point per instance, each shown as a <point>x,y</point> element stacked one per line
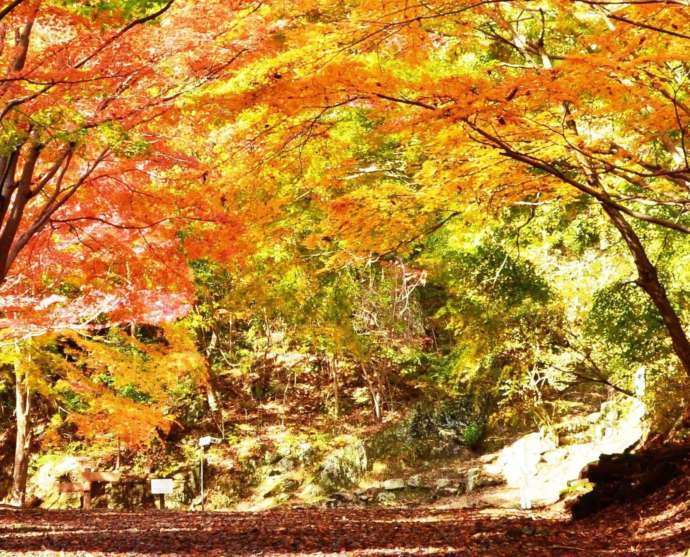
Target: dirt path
<point>362,532</point>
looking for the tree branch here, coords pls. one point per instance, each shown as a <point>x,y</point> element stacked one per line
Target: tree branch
<point>124,30</point>
<point>9,8</point>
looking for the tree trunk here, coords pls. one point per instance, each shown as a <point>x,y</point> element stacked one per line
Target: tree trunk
<point>23,439</point>
<point>336,386</point>
<point>375,392</point>
<point>376,401</point>
<point>648,280</point>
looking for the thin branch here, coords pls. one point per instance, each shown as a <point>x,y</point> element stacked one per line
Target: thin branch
<point>405,101</point>
<point>124,30</point>
<point>112,224</point>
<point>599,380</point>
<point>600,196</point>
<point>646,26</point>
<point>9,8</point>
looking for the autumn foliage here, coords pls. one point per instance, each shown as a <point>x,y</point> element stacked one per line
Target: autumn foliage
<point>95,189</point>
<point>512,103</point>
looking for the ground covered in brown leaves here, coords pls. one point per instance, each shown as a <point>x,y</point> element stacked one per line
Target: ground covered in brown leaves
<point>658,526</point>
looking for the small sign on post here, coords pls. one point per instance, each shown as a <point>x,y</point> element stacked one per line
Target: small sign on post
<point>208,440</point>
<point>205,442</point>
<point>161,487</point>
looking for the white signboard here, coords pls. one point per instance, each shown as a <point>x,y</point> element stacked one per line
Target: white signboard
<point>161,487</point>
<point>208,440</point>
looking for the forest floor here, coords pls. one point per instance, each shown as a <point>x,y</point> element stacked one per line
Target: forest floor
<point>658,525</point>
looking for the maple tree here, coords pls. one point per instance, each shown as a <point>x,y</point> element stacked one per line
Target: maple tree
<point>93,192</point>
<point>94,188</point>
<point>512,102</point>
<point>111,389</point>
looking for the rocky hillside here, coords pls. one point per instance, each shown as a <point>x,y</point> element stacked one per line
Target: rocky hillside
<point>402,464</point>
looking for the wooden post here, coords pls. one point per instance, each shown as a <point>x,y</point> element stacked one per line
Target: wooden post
<point>86,499</point>
<point>161,501</point>
<point>203,458</point>
<point>86,495</point>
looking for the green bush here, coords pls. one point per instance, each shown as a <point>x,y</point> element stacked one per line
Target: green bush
<point>473,435</point>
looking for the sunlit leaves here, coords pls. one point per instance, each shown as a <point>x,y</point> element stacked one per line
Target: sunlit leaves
<point>114,387</point>
<point>122,8</point>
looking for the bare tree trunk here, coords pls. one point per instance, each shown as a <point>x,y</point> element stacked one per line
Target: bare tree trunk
<point>375,392</point>
<point>648,280</point>
<point>336,386</point>
<point>216,408</point>
<point>23,439</point>
<point>378,411</point>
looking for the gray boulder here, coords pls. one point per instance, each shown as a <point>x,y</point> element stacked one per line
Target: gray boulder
<point>394,484</point>
<point>344,467</point>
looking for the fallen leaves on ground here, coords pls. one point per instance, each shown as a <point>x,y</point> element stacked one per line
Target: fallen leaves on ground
<point>658,525</point>
<point>354,532</point>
